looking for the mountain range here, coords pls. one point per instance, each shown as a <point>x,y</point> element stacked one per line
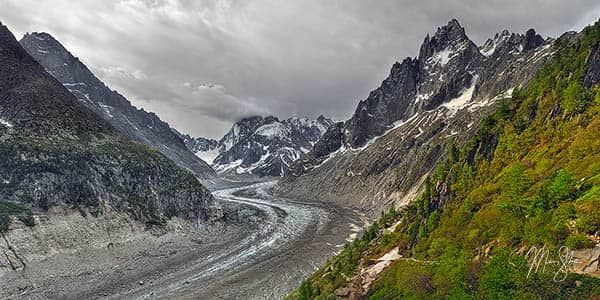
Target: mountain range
<point>261,146</point>
<point>524,184</point>
<point>383,153</point>
<point>464,159</point>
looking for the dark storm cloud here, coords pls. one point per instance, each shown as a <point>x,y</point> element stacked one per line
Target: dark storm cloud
<point>201,65</point>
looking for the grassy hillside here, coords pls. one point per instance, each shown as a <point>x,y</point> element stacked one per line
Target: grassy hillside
<point>530,177</point>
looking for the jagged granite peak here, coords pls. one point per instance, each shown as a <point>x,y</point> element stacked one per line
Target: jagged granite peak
<point>386,104</point>
<point>381,154</point>
<point>142,126</point>
<point>264,146</point>
<point>445,37</point>
<point>56,152</point>
<point>532,40</point>
<point>446,66</point>
<point>331,140</point>
<point>488,48</point>
<point>512,43</point>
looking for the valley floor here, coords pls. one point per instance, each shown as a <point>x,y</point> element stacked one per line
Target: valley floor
<point>267,247</point>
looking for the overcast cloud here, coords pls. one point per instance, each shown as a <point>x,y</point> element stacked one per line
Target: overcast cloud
<point>201,65</point>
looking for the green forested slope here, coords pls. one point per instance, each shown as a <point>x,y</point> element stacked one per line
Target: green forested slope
<point>530,177</point>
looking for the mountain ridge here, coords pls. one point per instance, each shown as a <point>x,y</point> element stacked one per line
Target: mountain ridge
<point>56,152</point>
<point>394,136</point>
<point>138,124</point>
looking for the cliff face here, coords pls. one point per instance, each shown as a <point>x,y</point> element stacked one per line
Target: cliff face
<point>56,152</point>
<point>382,153</point>
<point>137,124</point>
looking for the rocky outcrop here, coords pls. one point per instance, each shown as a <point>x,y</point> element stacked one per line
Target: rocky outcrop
<point>137,124</point>
<point>592,75</point>
<point>55,152</point>
<point>331,140</point>
<point>403,127</point>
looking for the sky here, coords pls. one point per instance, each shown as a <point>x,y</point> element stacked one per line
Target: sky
<point>201,65</point>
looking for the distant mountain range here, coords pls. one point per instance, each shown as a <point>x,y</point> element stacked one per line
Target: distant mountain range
<point>261,146</point>
<point>138,124</point>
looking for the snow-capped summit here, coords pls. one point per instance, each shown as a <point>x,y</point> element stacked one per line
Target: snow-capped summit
<point>263,146</point>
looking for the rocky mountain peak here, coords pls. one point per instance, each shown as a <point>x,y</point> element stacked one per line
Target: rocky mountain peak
<point>451,36</point>
<point>488,48</point>
<point>45,39</point>
<point>57,57</point>
<point>256,119</point>
<point>532,40</point>
<point>449,67</point>
<point>34,115</point>
<point>509,44</point>
<point>322,118</point>
<point>451,31</point>
<point>446,66</point>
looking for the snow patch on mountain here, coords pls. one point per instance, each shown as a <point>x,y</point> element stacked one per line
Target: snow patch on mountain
<point>229,166</point>
<point>443,57</point>
<point>489,47</point>
<point>106,109</point>
<point>273,130</point>
<point>6,123</point>
<point>208,156</point>
<point>464,98</point>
